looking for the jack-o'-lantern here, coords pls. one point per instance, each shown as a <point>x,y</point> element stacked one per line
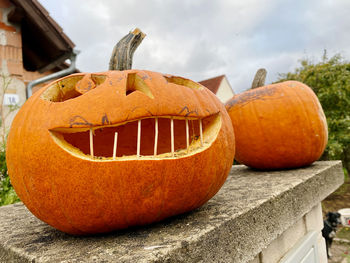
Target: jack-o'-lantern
<point>92,153</point>
<point>277,126</point>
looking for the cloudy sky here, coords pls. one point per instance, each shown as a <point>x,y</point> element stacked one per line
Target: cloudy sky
<point>206,38</point>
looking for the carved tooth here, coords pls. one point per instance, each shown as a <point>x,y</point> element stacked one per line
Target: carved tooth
<point>91,143</point>
<point>172,135</point>
<point>201,131</point>
<point>155,136</point>
<point>138,137</point>
<point>187,136</point>
<point>115,145</point>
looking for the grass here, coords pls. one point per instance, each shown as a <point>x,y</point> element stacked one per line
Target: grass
<point>344,187</point>
<point>344,233</point>
<point>337,200</point>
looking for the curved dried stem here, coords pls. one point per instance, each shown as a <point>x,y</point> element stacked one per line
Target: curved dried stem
<point>259,79</point>
<point>123,51</point>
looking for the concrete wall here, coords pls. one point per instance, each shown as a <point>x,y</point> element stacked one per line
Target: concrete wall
<point>225,91</point>
<point>256,215</point>
<point>312,221</point>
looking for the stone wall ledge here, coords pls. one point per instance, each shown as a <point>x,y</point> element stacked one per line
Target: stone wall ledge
<point>250,211</point>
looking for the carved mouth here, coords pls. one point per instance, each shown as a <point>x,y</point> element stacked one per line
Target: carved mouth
<point>150,138</point>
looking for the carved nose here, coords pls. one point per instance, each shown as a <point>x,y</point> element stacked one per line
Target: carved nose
<point>135,83</point>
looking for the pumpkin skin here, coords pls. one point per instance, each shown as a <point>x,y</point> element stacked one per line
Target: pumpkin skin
<point>278,126</point>
<point>75,193</point>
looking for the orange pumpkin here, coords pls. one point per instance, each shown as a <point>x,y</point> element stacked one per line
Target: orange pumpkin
<point>63,183</point>
<point>278,126</point>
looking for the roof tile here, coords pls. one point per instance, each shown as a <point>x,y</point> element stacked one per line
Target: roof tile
<point>212,84</point>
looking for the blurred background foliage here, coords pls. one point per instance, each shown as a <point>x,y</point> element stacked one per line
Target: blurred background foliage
<point>7,193</point>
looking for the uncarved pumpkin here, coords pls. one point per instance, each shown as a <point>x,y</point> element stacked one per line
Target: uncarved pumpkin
<point>278,126</point>
<point>64,184</point>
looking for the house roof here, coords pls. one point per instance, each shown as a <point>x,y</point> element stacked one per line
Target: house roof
<point>213,84</point>
<point>45,45</point>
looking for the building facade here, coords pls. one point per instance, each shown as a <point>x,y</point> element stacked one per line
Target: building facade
<point>32,45</point>
<point>220,87</point>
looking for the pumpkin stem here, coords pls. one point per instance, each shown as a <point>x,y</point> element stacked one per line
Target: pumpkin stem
<point>123,51</point>
<point>259,79</point>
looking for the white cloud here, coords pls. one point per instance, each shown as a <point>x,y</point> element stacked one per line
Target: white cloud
<point>202,39</point>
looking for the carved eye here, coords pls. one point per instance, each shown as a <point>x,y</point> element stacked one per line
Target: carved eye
<point>72,87</point>
<point>183,82</point>
<point>89,82</point>
<point>136,83</point>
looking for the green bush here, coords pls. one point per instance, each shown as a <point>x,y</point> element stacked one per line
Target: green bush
<point>330,80</point>
<point>7,193</point>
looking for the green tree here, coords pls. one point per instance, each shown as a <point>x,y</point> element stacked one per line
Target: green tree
<point>330,80</point>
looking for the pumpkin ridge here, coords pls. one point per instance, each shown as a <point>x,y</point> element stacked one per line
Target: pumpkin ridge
<point>263,135</point>
<point>323,121</point>
<point>22,178</point>
<point>68,220</point>
<point>306,116</point>
<point>161,207</point>
<point>249,96</point>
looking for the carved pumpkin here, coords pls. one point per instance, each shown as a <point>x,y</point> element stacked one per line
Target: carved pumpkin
<point>278,126</point>
<point>174,149</point>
